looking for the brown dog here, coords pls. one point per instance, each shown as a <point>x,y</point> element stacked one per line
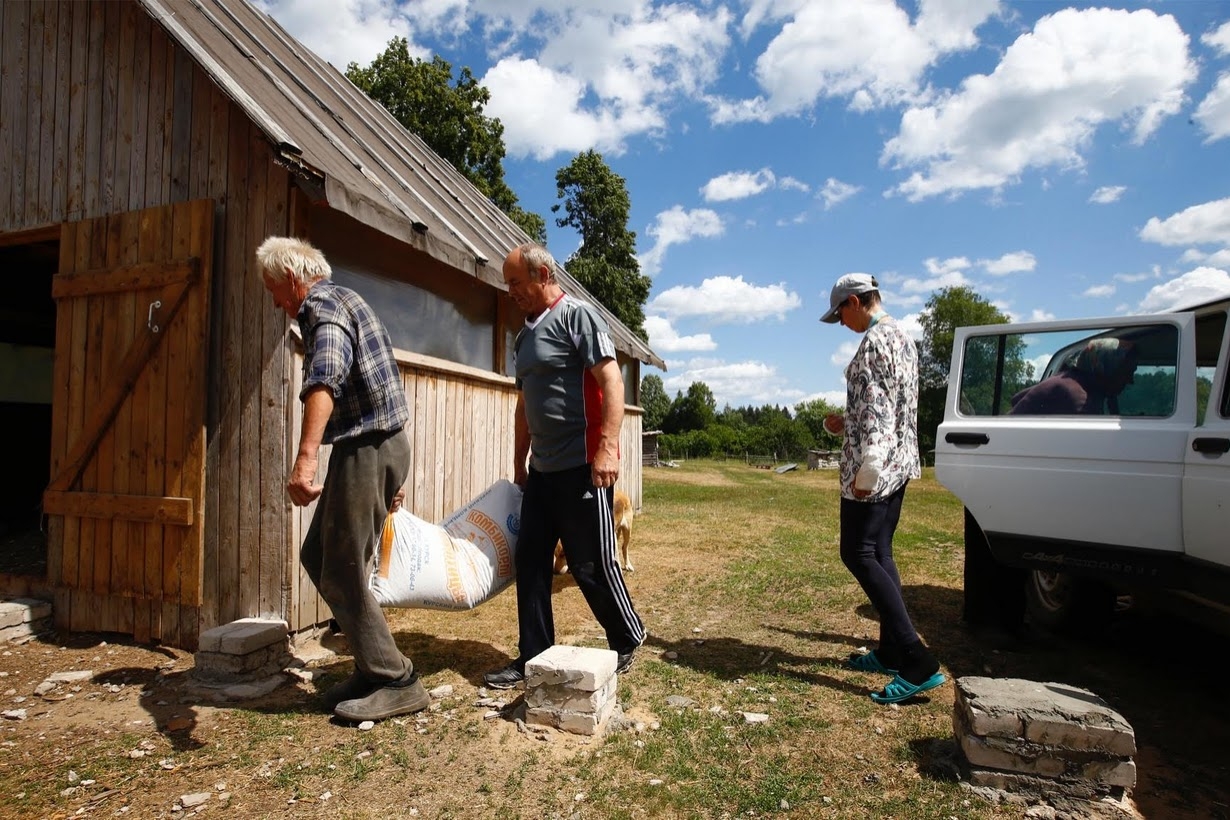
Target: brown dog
<point>623,514</point>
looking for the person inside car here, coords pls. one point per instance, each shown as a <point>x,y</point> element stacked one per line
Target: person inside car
<point>1089,384</point>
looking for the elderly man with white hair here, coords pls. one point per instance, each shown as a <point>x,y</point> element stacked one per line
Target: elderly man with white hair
<point>352,399</point>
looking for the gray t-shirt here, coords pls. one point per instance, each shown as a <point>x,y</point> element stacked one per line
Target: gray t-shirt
<point>563,403</point>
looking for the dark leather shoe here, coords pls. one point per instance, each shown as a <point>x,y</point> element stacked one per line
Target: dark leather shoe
<point>386,702</point>
<point>355,686</point>
<point>505,678</point>
<point>624,661</point>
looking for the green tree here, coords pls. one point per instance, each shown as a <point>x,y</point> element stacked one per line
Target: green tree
<point>654,402</point>
<point>597,206</point>
<point>694,411</point>
<point>946,310</point>
<point>779,435</point>
<point>448,116</point>
<point>810,414</point>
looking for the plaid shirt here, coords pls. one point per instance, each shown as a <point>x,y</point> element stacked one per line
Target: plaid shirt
<point>347,349</point>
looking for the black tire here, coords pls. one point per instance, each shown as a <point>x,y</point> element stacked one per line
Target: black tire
<point>1063,603</point>
<point>994,594</point>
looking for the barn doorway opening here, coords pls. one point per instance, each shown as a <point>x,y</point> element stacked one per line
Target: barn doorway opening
<point>27,355</point>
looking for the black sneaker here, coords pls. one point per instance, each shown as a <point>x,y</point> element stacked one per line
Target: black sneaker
<point>624,661</point>
<point>506,678</point>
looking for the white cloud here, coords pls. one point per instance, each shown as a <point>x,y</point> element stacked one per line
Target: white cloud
<point>1040,315</point>
<point>543,115</point>
<point>733,383</point>
<point>940,267</point>
<point>911,323</point>
<point>1219,39</point>
<point>1099,291</point>
<point>1217,259</point>
<point>737,185</point>
<point>792,184</point>
<point>868,52</point>
<point>843,354</point>
<point>344,31</point>
<point>950,279</point>
<point>1041,106</point>
<point>674,227</point>
<point>943,273</point>
<point>1107,194</point>
<point>664,339</point>
<point>836,398</point>
<point>1213,113</point>
<point>726,299</point>
<point>1206,223</point>
<point>1138,277</point>
<point>601,73</point>
<point>835,192</point>
<point>1191,289</point>
<point>798,219</point>
<point>1017,262</point>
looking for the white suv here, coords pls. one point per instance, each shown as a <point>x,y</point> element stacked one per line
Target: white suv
<point>1064,512</point>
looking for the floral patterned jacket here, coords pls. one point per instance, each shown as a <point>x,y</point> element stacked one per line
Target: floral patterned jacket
<point>880,451</point>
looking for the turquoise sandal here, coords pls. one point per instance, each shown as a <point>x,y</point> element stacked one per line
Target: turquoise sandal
<point>868,662</point>
<point>900,689</point>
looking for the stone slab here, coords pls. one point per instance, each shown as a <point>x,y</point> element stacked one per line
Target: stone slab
<point>23,611</point>
<point>576,723</point>
<point>224,667</point>
<point>576,667</point>
<point>567,699</point>
<point>243,636</point>
<point>1054,715</point>
<point>1040,788</point>
<point>1025,757</point>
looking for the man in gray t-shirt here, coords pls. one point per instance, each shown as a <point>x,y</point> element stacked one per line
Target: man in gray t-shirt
<point>569,413</point>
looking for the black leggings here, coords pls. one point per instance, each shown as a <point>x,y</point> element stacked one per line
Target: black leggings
<point>867,529</point>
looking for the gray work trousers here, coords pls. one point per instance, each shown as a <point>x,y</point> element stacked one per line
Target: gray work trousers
<point>339,549</point>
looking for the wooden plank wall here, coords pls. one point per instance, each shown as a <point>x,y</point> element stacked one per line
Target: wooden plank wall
<point>100,113</point>
<point>630,470</point>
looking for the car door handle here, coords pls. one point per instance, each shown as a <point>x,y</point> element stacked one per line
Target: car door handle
<point>1211,445</point>
<point>967,438</point>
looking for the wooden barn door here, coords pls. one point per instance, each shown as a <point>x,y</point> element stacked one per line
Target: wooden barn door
<point>125,533</point>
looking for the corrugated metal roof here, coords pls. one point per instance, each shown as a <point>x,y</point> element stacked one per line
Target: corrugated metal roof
<point>364,161</point>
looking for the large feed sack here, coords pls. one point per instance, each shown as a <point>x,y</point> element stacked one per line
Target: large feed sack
<point>454,565</point>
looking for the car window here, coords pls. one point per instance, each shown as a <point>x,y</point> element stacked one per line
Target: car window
<point>1122,371</point>
<point>1210,331</point>
<point>1225,387</point>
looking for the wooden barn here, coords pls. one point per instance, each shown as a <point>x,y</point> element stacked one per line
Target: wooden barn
<point>148,388</point>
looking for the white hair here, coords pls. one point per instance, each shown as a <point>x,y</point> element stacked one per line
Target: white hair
<point>535,257</point>
<point>286,258</point>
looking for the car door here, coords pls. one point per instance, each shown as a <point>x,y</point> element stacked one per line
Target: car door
<point>1206,473</point>
<point>1064,489</point>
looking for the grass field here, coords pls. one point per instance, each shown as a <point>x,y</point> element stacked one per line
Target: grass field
<point>749,610</point>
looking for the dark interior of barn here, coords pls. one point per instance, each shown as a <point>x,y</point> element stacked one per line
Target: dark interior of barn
<point>27,346</point>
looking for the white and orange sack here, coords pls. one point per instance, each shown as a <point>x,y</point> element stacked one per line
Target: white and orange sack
<point>454,565</point>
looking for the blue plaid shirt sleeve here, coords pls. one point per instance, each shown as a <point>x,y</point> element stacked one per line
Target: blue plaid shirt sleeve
<point>347,349</point>
<point>329,359</point>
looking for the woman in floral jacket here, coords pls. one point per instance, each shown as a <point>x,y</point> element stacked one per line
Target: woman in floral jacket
<point>878,458</point>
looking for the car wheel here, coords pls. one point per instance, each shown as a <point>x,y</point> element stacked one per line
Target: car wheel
<point>1060,602</point>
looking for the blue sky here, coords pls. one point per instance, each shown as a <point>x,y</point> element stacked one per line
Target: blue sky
<point>1062,159</point>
